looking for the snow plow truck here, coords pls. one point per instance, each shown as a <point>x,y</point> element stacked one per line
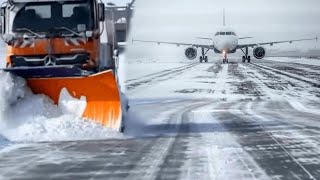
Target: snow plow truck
<point>66,44</point>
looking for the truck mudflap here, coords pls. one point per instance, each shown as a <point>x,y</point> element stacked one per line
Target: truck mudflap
<point>100,90</point>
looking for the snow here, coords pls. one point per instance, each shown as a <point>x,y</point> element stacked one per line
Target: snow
<point>226,159</point>
<point>308,61</point>
<point>70,105</point>
<point>197,82</point>
<point>301,106</point>
<point>140,68</point>
<point>302,147</point>
<point>26,117</point>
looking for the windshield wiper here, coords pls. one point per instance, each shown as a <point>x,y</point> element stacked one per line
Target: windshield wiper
<point>71,31</point>
<point>34,33</point>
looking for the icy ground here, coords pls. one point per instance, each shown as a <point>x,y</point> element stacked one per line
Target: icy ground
<point>236,121</point>
<point>191,121</point>
<point>216,81</point>
<point>298,60</point>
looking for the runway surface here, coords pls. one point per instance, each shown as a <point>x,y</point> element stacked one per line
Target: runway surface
<point>196,121</point>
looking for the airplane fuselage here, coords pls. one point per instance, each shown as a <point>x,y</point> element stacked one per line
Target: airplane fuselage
<point>225,41</point>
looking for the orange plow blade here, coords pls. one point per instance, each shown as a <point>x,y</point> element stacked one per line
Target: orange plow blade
<point>101,91</point>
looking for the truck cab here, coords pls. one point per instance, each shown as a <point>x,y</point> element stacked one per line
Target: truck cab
<point>59,32</point>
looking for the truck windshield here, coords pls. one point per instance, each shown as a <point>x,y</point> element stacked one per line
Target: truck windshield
<point>42,17</point>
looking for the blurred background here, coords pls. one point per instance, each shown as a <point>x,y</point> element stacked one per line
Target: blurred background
<point>183,20</point>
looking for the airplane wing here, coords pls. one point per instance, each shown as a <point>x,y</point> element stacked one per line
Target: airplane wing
<point>176,43</point>
<point>212,38</point>
<point>240,46</point>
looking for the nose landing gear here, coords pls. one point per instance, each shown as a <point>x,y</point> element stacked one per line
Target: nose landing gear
<point>225,59</point>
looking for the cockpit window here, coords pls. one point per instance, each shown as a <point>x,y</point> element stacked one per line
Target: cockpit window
<point>225,33</point>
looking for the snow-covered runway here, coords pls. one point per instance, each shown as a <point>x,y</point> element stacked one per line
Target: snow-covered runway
<point>196,121</point>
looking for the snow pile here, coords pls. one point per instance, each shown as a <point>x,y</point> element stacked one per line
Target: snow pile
<point>69,105</point>
<point>25,117</point>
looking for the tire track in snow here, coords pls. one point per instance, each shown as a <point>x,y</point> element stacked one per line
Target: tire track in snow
<point>242,81</point>
<point>158,77</point>
<point>256,138</point>
<point>159,73</point>
<point>277,86</point>
<point>308,71</point>
<point>293,146</point>
<point>290,75</point>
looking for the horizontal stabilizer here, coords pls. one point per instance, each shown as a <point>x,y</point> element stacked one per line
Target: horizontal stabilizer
<point>245,37</point>
<point>204,38</point>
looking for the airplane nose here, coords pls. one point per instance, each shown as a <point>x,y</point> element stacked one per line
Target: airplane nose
<point>224,46</point>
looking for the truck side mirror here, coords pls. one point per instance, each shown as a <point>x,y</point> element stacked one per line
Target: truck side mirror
<point>8,38</point>
<point>2,15</point>
<point>2,11</point>
<point>101,11</point>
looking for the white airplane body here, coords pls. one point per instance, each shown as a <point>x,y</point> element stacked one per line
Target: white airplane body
<point>225,41</point>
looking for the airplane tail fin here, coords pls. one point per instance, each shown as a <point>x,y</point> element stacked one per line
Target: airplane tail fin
<point>224,17</point>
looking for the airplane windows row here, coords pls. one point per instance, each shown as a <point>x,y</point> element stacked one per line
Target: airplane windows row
<point>225,33</point>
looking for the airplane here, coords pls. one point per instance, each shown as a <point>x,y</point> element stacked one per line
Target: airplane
<point>225,41</point>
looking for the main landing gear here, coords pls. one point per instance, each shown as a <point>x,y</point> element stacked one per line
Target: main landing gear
<point>246,57</point>
<point>203,58</point>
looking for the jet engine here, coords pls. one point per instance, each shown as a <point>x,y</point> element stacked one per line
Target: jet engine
<point>191,53</point>
<point>259,52</point>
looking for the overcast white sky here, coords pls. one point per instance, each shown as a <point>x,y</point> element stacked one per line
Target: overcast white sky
<point>269,18</point>
<point>266,20</point>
